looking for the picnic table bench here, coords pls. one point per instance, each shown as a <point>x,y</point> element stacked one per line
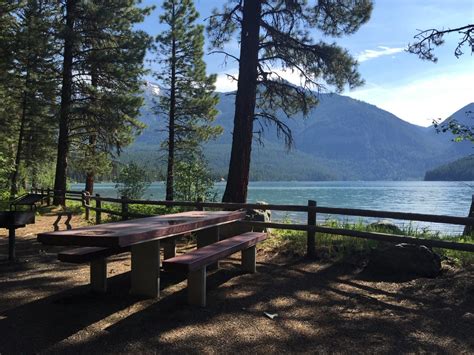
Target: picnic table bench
<point>142,237</point>
<point>194,263</point>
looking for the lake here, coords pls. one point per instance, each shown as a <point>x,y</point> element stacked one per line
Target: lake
<point>432,197</point>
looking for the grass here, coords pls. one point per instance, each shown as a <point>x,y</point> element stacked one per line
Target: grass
<point>340,247</point>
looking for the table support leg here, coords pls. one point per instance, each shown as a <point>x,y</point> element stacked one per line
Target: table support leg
<point>169,248</point>
<point>11,244</point>
<point>206,237</point>
<point>146,269</point>
<point>249,258</point>
<point>197,287</point>
<point>99,275</point>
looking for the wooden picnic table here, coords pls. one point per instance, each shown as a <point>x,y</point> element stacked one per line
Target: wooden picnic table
<point>143,236</point>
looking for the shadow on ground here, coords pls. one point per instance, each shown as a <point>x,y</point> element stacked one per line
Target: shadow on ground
<point>47,307</point>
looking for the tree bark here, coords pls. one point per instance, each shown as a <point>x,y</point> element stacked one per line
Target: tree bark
<point>19,147</point>
<point>65,109</point>
<point>171,124</point>
<point>239,168</point>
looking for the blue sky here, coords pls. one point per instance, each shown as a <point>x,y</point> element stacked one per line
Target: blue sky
<point>416,91</point>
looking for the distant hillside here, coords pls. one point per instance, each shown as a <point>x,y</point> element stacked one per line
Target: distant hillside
<point>458,170</point>
<point>342,139</point>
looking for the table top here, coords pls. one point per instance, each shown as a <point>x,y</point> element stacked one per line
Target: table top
<point>126,233</point>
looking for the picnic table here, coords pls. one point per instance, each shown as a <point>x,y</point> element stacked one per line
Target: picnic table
<point>143,237</point>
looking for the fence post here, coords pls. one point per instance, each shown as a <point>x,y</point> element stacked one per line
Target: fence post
<point>311,235</point>
<point>86,203</point>
<point>48,200</point>
<point>98,205</point>
<point>124,208</point>
<point>198,204</point>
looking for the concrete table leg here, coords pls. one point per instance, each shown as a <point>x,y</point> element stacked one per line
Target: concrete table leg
<point>206,237</point>
<point>197,287</point>
<point>99,275</point>
<point>146,269</point>
<point>249,259</point>
<point>169,248</point>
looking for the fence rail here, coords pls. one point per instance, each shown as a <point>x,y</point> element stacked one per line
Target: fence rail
<point>311,228</point>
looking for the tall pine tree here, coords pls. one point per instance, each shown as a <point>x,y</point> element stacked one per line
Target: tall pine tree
<point>102,66</point>
<point>274,36</point>
<point>35,85</point>
<point>188,100</point>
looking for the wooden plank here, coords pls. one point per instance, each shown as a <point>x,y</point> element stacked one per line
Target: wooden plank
<point>367,235</point>
<point>126,233</point>
<point>297,208</point>
<point>199,258</point>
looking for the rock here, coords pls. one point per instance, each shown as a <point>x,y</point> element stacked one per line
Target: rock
<point>468,316</point>
<point>404,260</point>
<point>258,215</point>
<point>385,226</point>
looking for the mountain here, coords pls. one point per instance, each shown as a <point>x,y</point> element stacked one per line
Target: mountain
<point>458,170</point>
<point>342,138</point>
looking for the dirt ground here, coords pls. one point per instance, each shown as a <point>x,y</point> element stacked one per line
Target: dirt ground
<point>320,306</point>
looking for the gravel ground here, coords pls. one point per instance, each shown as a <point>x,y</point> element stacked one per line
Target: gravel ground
<point>320,306</point>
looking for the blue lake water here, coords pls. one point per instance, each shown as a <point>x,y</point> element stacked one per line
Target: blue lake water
<point>447,198</point>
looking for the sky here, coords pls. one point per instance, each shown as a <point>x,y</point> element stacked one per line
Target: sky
<point>416,91</point>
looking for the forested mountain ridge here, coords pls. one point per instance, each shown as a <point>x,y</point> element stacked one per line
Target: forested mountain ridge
<point>342,138</point>
<point>458,170</point>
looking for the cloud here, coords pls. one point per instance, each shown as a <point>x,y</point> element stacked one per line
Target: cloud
<point>369,54</point>
<point>422,100</point>
<point>224,83</point>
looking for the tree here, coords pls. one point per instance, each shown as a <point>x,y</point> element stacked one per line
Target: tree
<point>193,180</point>
<point>274,36</point>
<point>188,99</point>
<point>424,46</point>
<point>427,40</point>
<point>35,83</point>
<point>111,61</point>
<point>132,182</point>
<point>102,67</point>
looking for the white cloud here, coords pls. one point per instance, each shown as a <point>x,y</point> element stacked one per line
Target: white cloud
<point>369,54</point>
<point>224,83</point>
<point>420,101</point>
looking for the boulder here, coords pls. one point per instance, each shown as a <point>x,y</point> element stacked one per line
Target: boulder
<point>385,226</point>
<point>404,261</point>
<point>259,215</point>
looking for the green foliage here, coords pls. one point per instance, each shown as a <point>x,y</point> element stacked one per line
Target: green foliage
<point>341,247</point>
<point>193,181</point>
<point>286,45</point>
<point>131,182</point>
<point>187,102</point>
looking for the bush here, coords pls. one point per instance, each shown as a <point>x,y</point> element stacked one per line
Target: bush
<point>132,182</point>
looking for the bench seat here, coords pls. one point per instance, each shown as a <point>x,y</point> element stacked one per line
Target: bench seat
<point>196,261</point>
<point>97,257</point>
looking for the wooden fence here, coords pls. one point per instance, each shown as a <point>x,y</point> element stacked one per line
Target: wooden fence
<point>95,203</point>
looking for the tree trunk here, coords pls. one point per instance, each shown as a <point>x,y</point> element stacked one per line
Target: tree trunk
<point>19,148</point>
<point>66,93</point>
<point>468,229</point>
<point>239,168</point>
<point>171,124</point>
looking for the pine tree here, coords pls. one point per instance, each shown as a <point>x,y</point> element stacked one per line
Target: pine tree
<point>111,59</point>
<point>274,34</point>
<point>35,86</point>
<point>102,65</point>
<point>188,99</point>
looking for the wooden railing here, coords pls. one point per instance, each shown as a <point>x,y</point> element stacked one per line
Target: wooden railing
<point>311,210</point>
